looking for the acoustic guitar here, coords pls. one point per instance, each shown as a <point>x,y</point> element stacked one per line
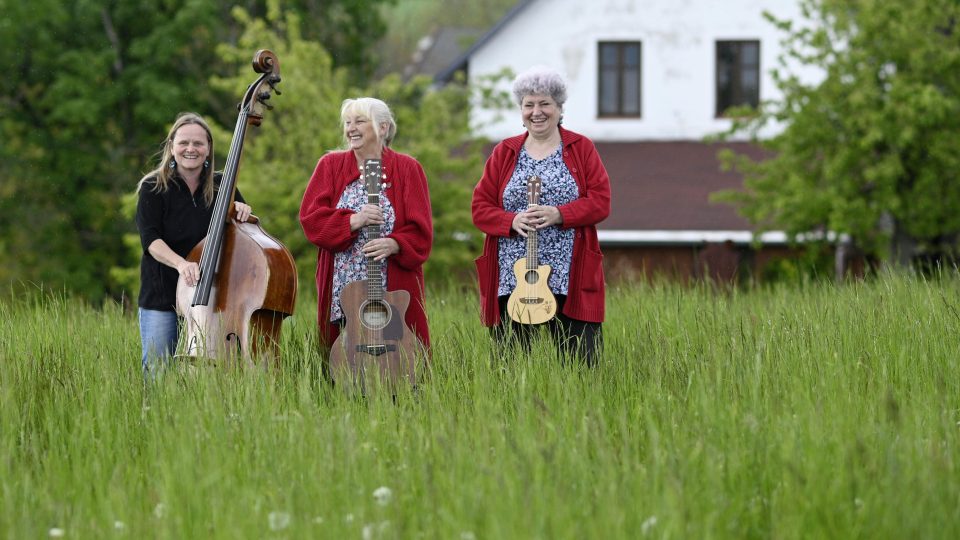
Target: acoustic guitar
<point>376,347</point>
<point>531,302</point>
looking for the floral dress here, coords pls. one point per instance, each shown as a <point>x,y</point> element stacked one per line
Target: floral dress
<point>554,244</point>
<point>351,264</point>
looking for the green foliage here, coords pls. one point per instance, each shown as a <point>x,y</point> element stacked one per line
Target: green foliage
<point>409,22</point>
<point>780,412</point>
<point>348,29</point>
<point>869,150</point>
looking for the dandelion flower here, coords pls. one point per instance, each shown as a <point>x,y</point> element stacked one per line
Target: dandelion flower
<point>278,520</point>
<point>648,525</point>
<point>382,494</point>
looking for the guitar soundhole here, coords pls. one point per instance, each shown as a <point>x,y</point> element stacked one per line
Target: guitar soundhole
<point>375,314</point>
<point>532,277</point>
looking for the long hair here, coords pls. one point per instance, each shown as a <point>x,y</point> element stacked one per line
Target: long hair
<point>374,110</point>
<point>164,173</point>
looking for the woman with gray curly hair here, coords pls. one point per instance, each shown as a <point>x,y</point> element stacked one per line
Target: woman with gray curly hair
<point>574,196</point>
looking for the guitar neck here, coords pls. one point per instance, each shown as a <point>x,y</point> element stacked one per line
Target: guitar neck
<point>375,285</point>
<point>374,267</point>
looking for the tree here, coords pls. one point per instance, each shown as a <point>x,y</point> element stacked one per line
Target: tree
<point>870,150</point>
<point>90,86</point>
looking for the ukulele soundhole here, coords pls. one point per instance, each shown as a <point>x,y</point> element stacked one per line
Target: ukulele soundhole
<point>375,314</point>
<point>531,277</point>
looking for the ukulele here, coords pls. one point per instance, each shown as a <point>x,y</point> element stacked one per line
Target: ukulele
<point>531,302</point>
<point>375,347</point>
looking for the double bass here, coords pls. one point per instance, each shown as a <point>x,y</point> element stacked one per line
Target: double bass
<point>248,279</point>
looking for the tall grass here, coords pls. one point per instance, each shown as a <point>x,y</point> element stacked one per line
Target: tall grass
<point>786,412</point>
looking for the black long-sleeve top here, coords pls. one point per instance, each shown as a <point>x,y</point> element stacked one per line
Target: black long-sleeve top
<point>180,219</point>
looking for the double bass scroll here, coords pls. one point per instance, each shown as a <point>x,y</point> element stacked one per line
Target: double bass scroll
<point>248,279</point>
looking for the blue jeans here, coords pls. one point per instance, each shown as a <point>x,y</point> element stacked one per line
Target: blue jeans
<point>158,337</point>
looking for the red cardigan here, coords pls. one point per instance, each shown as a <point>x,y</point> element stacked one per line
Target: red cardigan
<point>328,227</point>
<point>585,297</point>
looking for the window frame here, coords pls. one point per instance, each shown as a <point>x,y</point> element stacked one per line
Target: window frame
<point>621,69</point>
<point>738,97</point>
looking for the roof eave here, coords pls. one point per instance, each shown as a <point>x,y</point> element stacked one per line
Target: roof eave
<point>444,76</point>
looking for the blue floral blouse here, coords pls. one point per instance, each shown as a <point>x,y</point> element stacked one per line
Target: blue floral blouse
<point>351,264</point>
<point>554,245</point>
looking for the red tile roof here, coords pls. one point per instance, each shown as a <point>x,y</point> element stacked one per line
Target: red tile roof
<point>666,185</point>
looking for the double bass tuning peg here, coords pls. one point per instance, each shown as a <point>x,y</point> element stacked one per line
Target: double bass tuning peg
<point>273,80</point>
<point>262,98</point>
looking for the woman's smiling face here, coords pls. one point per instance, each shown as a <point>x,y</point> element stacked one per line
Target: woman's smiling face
<point>541,114</point>
<point>190,147</point>
<point>360,134</point>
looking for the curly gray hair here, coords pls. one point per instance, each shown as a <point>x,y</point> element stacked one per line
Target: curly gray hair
<point>540,80</point>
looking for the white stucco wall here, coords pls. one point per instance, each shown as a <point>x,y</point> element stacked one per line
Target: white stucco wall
<point>678,60</point>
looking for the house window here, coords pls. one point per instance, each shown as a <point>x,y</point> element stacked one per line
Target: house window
<point>738,74</point>
<point>619,79</point>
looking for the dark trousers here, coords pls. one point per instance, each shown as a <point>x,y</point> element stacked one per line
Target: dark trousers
<point>575,340</point>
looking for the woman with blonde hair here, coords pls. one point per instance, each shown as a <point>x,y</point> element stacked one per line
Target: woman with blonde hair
<point>174,208</point>
<point>335,212</point>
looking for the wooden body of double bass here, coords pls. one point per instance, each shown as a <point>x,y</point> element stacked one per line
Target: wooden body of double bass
<point>255,289</point>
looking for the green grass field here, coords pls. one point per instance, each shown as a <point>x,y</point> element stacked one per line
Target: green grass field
<point>810,411</point>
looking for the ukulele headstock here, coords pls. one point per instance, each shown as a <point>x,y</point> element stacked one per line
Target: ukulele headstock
<point>533,190</point>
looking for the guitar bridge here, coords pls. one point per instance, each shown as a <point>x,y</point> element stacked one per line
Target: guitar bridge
<point>376,350</point>
<point>531,300</point>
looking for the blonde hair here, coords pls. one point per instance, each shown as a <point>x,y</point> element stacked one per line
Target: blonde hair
<point>374,110</point>
<point>163,174</point>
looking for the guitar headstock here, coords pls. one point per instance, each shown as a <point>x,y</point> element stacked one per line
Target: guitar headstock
<point>533,190</point>
<point>372,177</point>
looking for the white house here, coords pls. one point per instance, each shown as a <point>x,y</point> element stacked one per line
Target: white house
<point>648,80</point>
